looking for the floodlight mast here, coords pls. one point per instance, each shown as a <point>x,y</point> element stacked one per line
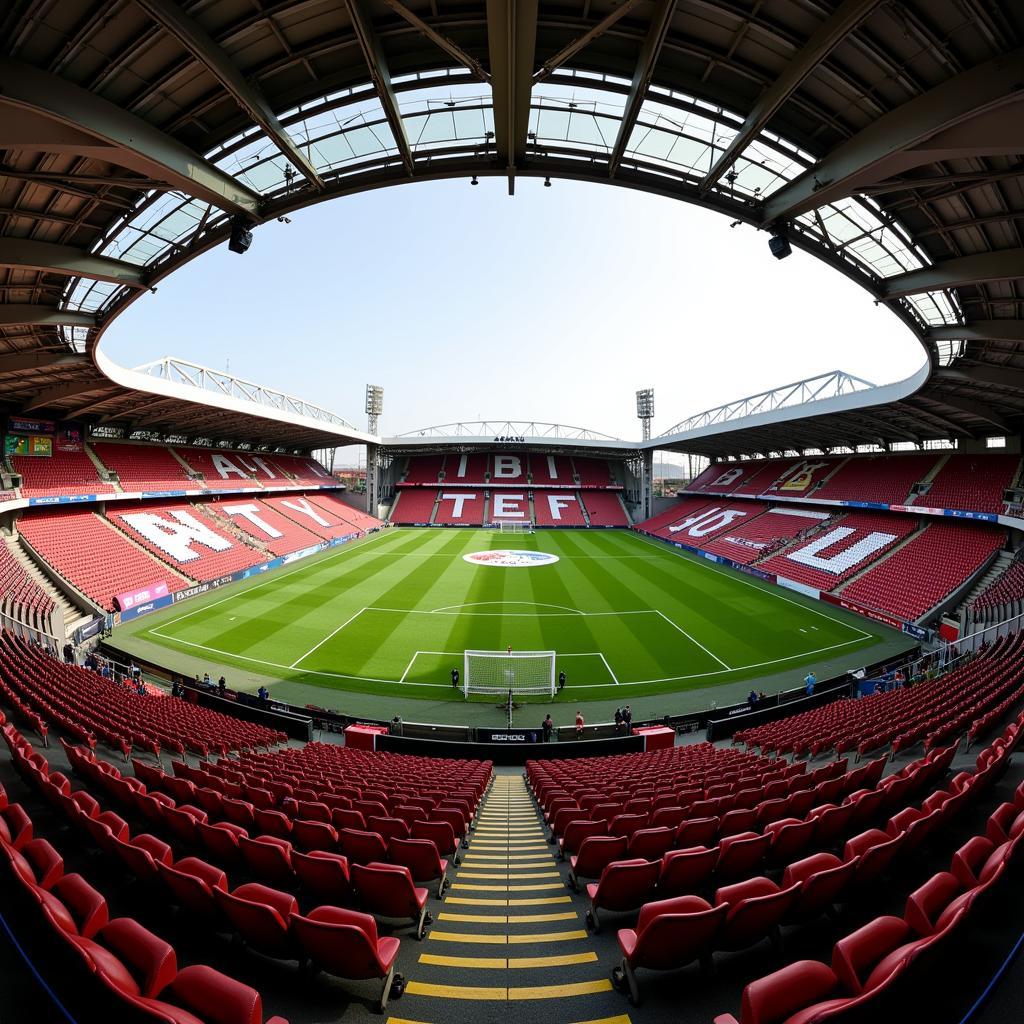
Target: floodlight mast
<point>374,408</point>
<point>645,413</point>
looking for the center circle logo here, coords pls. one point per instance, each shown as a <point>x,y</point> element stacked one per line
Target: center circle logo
<point>511,559</point>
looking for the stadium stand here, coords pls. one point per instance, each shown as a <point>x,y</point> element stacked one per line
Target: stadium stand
<point>702,526</point>
<point>93,556</point>
<point>658,525</point>
<point>222,470</point>
<point>847,546</point>
<point>184,537</point>
<point>557,508</point>
<point>761,537</point>
<point>593,472</point>
<point>460,508</point>
<point>298,470</point>
<point>604,509</point>
<point>974,483</point>
<point>335,506</point>
<point>424,469</point>
<point>313,513</point>
<point>143,467</point>
<point>279,534</point>
<point>20,596</point>
<point>414,505</point>
<point>921,574</point>
<point>750,478</point>
<point>466,469</point>
<point>509,468</point>
<point>929,711</point>
<point>882,478</point>
<point>1004,594</point>
<point>550,470</point>
<point>62,473</point>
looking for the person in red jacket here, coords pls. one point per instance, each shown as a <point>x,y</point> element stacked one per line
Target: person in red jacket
<point>579,725</point>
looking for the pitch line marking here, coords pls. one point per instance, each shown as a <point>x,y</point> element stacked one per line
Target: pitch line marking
<point>692,640</point>
<point>615,678</point>
<point>439,686</point>
<point>332,633</point>
<point>738,578</point>
<point>484,604</point>
<point>271,578</point>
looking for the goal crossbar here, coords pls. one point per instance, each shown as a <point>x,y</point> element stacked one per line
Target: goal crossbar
<point>498,672</point>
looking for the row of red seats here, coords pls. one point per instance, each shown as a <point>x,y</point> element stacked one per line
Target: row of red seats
<point>924,572</point>
<point>1001,598</point>
<point>966,482</point>
<point>130,965</point>
<point>517,468</point>
<point>20,596</point>
<point>87,706</point>
<point>867,966</point>
<point>869,722</point>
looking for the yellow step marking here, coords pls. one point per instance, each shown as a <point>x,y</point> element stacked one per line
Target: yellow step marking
<point>499,873</point>
<point>460,887</point>
<point>478,901</point>
<point>506,863</point>
<point>507,919</point>
<point>621,1019</point>
<point>471,856</point>
<point>401,1020</point>
<point>547,937</point>
<point>483,939</point>
<point>501,963</point>
<point>476,992</point>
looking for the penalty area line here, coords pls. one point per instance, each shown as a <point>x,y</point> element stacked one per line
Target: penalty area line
<point>333,633</point>
<point>693,641</point>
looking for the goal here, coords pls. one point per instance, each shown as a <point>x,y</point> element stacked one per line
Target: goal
<point>497,672</point>
<point>514,526</point>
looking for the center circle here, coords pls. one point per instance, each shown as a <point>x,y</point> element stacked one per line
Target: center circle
<point>508,559</point>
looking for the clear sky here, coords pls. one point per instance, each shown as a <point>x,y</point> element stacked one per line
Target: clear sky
<point>554,305</point>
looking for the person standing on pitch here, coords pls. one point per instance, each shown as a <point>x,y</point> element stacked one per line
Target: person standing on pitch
<point>561,680</point>
<point>455,678</point>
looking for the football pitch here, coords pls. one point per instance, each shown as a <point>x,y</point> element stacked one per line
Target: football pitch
<point>392,615</point>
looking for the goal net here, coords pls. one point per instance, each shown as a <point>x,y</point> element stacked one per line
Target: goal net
<point>497,672</point>
<point>514,526</point>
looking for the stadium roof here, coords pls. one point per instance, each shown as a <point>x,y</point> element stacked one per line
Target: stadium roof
<point>885,138</point>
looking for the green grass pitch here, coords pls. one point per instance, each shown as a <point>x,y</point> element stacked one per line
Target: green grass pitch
<point>393,615</point>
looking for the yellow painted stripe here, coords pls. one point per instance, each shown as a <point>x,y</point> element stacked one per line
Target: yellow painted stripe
<point>623,1018</point>
<point>473,857</point>
<point>552,961</point>
<point>582,988</point>
<point>469,887</point>
<point>466,901</point>
<point>500,844</point>
<point>484,940</point>
<point>506,864</point>
<point>507,919</point>
<point>419,988</point>
<point>402,1020</point>
<point>499,873</point>
<point>501,963</point>
<point>540,885</point>
<point>477,992</point>
<point>537,901</point>
<point>486,962</point>
<point>547,937</point>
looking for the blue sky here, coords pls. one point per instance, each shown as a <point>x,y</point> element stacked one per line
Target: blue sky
<point>554,305</point>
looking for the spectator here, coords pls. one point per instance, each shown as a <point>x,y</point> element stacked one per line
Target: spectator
<point>134,672</point>
<point>618,721</point>
<point>263,693</point>
<point>899,679</point>
<point>140,687</point>
<point>579,725</point>
<point>752,699</point>
<point>809,682</point>
<point>547,727</point>
<point>761,697</point>
<point>222,685</point>
<point>175,688</point>
<point>207,681</point>
<point>69,654</point>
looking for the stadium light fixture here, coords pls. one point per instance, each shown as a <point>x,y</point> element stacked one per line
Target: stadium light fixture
<point>645,409</point>
<point>241,234</point>
<point>374,405</point>
<point>779,244</point>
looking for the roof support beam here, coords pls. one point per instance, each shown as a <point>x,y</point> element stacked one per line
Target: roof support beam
<point>246,94</point>
<point>23,314</point>
<point>115,136</point>
<point>1000,376</point>
<point>440,40</point>
<point>975,113</point>
<point>512,44</point>
<point>36,359</point>
<point>649,53</point>
<point>976,409</point>
<point>566,54</point>
<point>47,257</point>
<point>59,392</point>
<point>979,330</point>
<point>1002,265</point>
<point>826,37</point>
<point>377,62</point>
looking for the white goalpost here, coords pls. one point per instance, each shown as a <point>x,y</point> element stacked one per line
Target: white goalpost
<point>497,672</point>
<point>514,525</point>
